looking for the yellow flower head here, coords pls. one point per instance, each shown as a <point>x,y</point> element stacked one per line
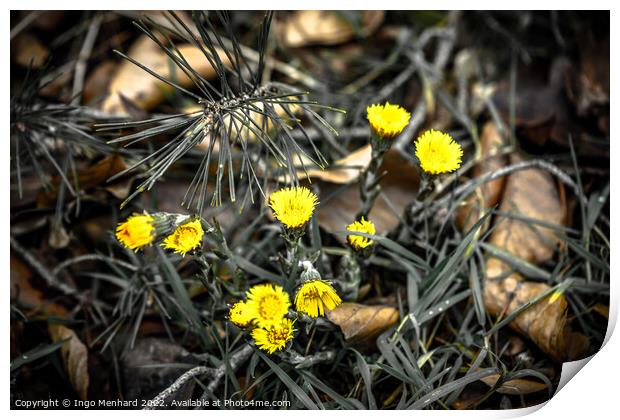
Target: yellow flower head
<point>387,121</point>
<point>314,296</point>
<point>136,232</point>
<point>185,238</point>
<point>438,152</point>
<point>357,241</point>
<point>274,336</point>
<point>268,302</point>
<point>241,314</point>
<point>293,207</point>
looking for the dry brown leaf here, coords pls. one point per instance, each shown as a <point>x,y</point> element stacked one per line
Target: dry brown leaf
<point>531,193</point>
<point>347,169</point>
<point>49,19</point>
<point>74,356</point>
<point>361,324</point>
<point>144,90</point>
<point>27,296</point>
<point>340,202</point>
<point>89,178</point>
<point>488,194</point>
<point>28,49</point>
<point>326,27</point>
<point>517,386</point>
<point>98,81</point>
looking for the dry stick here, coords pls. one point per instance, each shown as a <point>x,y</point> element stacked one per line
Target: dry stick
<point>442,55</point>
<point>159,400</point>
<point>80,65</point>
<point>40,269</point>
<point>490,176</point>
<point>25,22</point>
<point>235,361</point>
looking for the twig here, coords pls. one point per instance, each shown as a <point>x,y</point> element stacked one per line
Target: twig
<point>25,22</point>
<point>490,176</point>
<point>49,278</point>
<point>158,401</point>
<point>80,65</point>
<point>432,72</point>
<point>307,361</point>
<point>235,361</point>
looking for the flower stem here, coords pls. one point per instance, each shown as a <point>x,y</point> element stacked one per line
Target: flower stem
<point>369,183</point>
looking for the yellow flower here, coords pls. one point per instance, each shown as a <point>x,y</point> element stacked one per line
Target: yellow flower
<point>136,232</point>
<point>274,336</point>
<point>185,238</point>
<point>241,314</point>
<point>293,207</point>
<point>314,296</point>
<point>357,241</point>
<point>387,121</point>
<point>438,152</point>
<point>268,302</point>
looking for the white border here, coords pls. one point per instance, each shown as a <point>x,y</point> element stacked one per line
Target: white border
<point>593,394</point>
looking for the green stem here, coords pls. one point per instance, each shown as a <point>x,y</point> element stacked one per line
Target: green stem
<point>369,183</point>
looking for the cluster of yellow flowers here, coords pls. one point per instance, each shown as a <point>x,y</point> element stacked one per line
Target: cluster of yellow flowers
<point>142,230</point>
<point>265,311</point>
<point>437,152</point>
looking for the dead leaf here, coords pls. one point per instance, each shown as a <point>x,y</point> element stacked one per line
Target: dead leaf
<point>517,386</point>
<point>144,90</point>
<point>327,27</point>
<point>347,169</point>
<point>26,296</point>
<point>89,178</point>
<point>531,193</point>
<point>602,310</point>
<point>48,19</point>
<point>340,191</point>
<point>28,50</point>
<point>488,194</point>
<point>74,356</point>
<point>362,324</point>
<point>98,81</point>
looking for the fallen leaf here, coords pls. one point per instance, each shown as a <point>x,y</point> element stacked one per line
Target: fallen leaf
<point>517,386</point>
<point>533,194</point>
<point>88,178</point>
<point>327,27</point>
<point>144,90</point>
<point>345,170</point>
<point>602,310</point>
<point>339,191</point>
<point>74,356</point>
<point>26,296</point>
<point>98,81</point>
<point>48,19</point>
<point>362,324</point>
<point>28,50</point>
<point>488,194</point>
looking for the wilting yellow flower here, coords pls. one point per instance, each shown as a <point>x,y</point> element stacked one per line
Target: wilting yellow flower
<point>274,336</point>
<point>293,207</point>
<point>185,238</point>
<point>314,296</point>
<point>365,226</point>
<point>387,121</point>
<point>136,232</point>
<point>269,303</point>
<point>438,152</point>
<point>241,314</point>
